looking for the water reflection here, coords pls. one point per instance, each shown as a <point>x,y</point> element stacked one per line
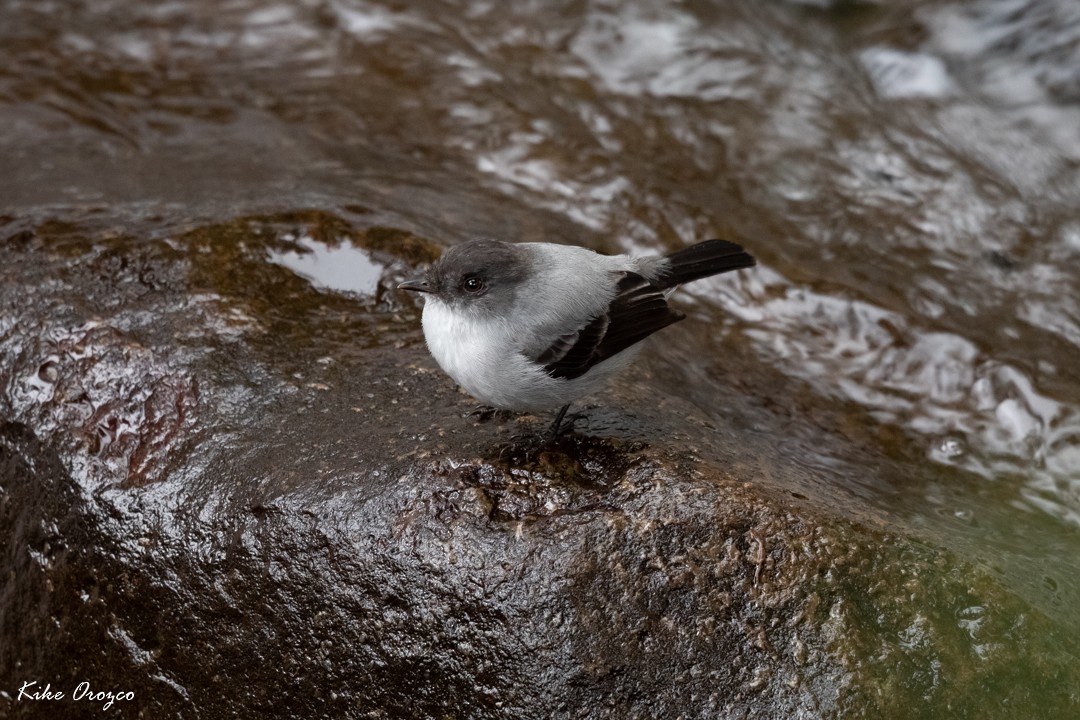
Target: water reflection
<point>342,268</point>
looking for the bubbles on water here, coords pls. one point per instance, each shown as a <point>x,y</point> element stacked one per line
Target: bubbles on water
<point>39,386</point>
<point>964,516</point>
<point>47,372</point>
<point>949,448</point>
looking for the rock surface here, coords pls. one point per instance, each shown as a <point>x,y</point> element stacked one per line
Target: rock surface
<point>233,494</point>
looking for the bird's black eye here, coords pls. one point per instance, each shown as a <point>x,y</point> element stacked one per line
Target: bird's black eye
<point>472,284</point>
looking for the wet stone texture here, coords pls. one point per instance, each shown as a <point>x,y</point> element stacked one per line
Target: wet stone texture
<point>234,494</point>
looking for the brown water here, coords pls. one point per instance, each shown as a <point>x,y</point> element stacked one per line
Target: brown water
<point>907,175</point>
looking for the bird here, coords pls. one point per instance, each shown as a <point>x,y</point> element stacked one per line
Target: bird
<point>535,326</point>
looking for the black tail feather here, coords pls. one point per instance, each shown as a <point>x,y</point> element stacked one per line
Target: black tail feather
<point>710,257</point>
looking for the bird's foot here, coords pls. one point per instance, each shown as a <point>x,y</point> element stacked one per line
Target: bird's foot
<point>525,447</point>
<point>483,413</point>
<point>564,422</point>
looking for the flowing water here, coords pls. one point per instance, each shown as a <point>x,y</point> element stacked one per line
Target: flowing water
<point>908,175</point>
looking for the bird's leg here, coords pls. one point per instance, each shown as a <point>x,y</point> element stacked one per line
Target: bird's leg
<point>557,425</point>
<point>523,448</point>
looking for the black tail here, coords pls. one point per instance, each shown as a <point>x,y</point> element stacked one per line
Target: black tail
<point>710,257</point>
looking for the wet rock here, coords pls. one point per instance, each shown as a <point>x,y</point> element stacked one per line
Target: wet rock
<point>231,493</point>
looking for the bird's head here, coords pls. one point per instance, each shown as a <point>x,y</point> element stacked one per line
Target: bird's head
<point>479,276</point>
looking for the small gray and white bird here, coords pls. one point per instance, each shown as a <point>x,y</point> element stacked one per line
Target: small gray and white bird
<point>535,326</point>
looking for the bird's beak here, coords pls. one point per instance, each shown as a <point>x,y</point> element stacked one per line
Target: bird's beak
<point>417,285</point>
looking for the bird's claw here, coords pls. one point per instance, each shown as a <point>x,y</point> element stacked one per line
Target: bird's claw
<point>483,413</point>
<point>525,447</point>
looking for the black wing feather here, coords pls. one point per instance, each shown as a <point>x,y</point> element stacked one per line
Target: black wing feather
<point>637,311</point>
<point>710,257</point>
<point>558,349</point>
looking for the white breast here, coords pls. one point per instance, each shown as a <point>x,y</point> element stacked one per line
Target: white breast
<point>464,349</point>
<point>481,356</point>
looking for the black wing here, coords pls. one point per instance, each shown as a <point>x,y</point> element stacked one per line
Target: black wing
<point>637,311</point>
